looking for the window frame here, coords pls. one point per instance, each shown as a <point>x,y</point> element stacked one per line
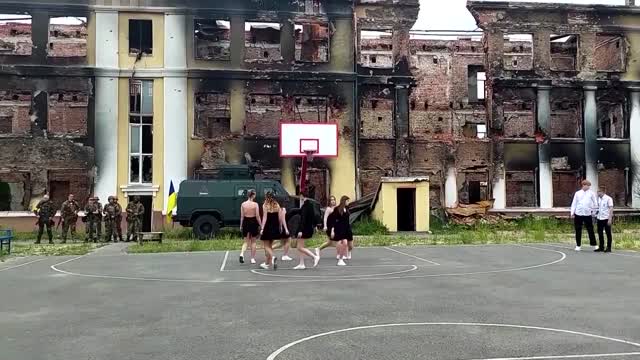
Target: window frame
<point>140,154</point>
<point>142,51</point>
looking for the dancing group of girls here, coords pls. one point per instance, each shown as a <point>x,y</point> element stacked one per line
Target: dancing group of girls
<point>272,226</point>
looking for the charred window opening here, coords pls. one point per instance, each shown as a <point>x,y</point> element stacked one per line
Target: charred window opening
<point>478,131</point>
<point>521,161</point>
<point>212,115</point>
<point>610,53</point>
<point>59,191</point>
<point>141,36</point>
<point>564,52</point>
<point>476,83</point>
<point>6,124</point>
<point>15,112</point>
<point>15,34</point>
<point>263,115</point>
<point>474,187</point>
<point>68,112</point>
<point>311,108</point>
<point>312,42</point>
<point>141,131</point>
<point>376,48</point>
<point>212,39</point>
<point>611,122</point>
<point>376,116</point>
<point>67,37</point>
<point>262,42</point>
<point>518,52</point>
<point>566,113</point>
<point>311,7</point>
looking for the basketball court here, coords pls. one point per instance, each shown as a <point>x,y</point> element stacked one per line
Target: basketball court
<point>458,302</point>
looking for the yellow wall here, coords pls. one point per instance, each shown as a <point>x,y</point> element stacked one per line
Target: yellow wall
<point>127,61</point>
<point>158,139</point>
<point>386,209</point>
<point>91,39</point>
<point>194,145</point>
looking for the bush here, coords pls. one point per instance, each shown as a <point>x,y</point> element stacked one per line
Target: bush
<point>368,226</point>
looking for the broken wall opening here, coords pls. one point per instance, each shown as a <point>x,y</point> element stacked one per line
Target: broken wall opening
<point>472,187</point>
<point>376,116</point>
<point>212,39</point>
<point>310,108</point>
<point>567,161</point>
<point>68,113</point>
<point>262,42</point>
<point>15,34</point>
<point>263,114</point>
<point>521,163</point>
<point>610,53</point>
<point>15,111</point>
<point>566,113</point>
<point>476,83</point>
<point>312,42</point>
<point>614,161</point>
<point>212,115</point>
<point>518,51</point>
<point>61,183</point>
<point>376,48</point>
<point>15,191</point>
<point>612,122</point>
<point>67,37</point>
<point>564,52</point>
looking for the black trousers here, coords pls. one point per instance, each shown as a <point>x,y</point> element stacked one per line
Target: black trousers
<point>578,221</point>
<point>41,226</point>
<point>604,225</point>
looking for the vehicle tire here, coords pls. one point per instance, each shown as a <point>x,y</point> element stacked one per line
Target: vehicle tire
<point>206,227</point>
<point>293,224</point>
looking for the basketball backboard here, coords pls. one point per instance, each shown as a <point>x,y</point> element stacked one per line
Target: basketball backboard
<point>298,139</point>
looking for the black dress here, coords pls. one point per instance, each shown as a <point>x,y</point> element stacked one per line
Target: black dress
<point>331,219</point>
<point>341,226</point>
<point>250,226</point>
<point>271,229</point>
<point>307,221</point>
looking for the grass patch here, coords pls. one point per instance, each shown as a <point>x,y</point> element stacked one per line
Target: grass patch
<point>368,226</point>
<point>23,248</point>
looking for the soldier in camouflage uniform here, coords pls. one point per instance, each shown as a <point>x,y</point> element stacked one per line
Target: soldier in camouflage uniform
<point>45,212</point>
<point>135,210</point>
<point>110,220</point>
<point>99,218</point>
<point>69,214</point>
<point>117,225</point>
<point>91,212</point>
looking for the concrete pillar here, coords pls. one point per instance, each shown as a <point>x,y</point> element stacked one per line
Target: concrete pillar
<point>451,187</point>
<point>401,125</point>
<point>500,188</point>
<point>634,140</point>
<point>544,149</point>
<point>175,103</point>
<point>106,104</point>
<point>591,135</point>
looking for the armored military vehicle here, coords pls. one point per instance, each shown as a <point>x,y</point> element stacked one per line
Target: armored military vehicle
<point>208,205</point>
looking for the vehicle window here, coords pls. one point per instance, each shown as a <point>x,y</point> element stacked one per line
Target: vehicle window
<point>273,191</point>
<point>242,192</point>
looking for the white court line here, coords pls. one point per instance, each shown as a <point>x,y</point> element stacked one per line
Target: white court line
<point>611,253</point>
<point>224,261</point>
<point>19,265</point>
<point>586,356</point>
<point>413,256</point>
<point>329,278</point>
<point>275,354</point>
<point>413,268</point>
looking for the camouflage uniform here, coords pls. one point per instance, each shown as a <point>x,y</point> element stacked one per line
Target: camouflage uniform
<point>99,218</point>
<point>110,220</point>
<point>69,214</point>
<point>45,212</point>
<point>91,211</point>
<point>117,223</point>
<point>135,210</point>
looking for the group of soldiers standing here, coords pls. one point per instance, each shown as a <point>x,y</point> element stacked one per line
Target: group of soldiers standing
<point>94,215</point>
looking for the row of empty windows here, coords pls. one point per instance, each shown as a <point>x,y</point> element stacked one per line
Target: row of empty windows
<point>67,36</point>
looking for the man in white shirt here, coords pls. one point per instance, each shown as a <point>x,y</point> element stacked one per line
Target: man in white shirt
<point>605,218</point>
<point>583,206</point>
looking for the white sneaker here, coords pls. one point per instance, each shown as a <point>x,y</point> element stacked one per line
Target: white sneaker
<point>317,252</point>
<point>338,257</point>
<point>253,261</point>
<point>286,258</point>
<point>300,267</point>
<point>316,260</point>
<point>595,247</point>
<point>349,255</point>
<point>264,266</point>
<point>341,263</point>
<point>577,248</point>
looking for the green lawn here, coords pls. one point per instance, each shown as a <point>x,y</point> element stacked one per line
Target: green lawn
<point>28,248</point>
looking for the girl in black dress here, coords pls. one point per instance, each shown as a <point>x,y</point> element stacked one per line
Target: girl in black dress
<point>271,226</point>
<point>328,223</point>
<point>305,231</point>
<point>341,231</point>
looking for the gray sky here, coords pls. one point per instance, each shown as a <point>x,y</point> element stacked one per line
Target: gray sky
<point>453,14</point>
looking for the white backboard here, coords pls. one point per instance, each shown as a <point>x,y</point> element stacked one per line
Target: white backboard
<point>296,138</point>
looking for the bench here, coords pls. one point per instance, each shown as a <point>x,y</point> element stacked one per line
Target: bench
<point>5,239</point>
<point>150,236</point>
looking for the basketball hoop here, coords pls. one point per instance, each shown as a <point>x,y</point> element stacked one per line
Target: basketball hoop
<point>309,154</point>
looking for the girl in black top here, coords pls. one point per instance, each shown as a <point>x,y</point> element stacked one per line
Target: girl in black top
<point>270,229</point>
<point>341,230</point>
<point>305,231</point>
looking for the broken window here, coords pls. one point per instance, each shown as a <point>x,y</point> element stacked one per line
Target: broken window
<point>263,114</point>
<point>474,187</point>
<point>610,52</point>
<point>141,36</point>
<point>564,52</point>
<point>68,113</point>
<point>311,7</point>
<point>376,116</point>
<point>140,131</point>
<point>212,40</point>
<point>312,42</point>
<point>15,34</point>
<point>611,120</point>
<point>6,124</point>
<point>376,48</point>
<point>518,52</point>
<point>476,83</point>
<point>262,42</point>
<point>59,192</point>
<point>566,113</point>
<point>212,115</point>
<point>310,108</point>
<point>15,116</point>
<point>67,37</point>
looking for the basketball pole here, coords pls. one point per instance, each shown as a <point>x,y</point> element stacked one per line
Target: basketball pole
<point>303,174</point>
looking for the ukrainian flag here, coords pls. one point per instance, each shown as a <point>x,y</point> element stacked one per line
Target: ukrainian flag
<point>172,202</point>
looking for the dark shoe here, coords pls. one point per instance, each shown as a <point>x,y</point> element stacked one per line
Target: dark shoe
<point>241,259</point>
<point>63,242</point>
<point>598,250</point>
<point>275,263</point>
<point>607,250</point>
<point>50,242</point>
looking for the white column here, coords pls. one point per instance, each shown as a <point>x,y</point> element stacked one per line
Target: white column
<point>591,148</point>
<point>106,104</point>
<point>451,188</point>
<point>176,135</point>
<point>544,149</point>
<point>634,140</point>
<point>500,188</point>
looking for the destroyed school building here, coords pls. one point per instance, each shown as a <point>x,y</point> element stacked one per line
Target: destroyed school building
<point>116,97</point>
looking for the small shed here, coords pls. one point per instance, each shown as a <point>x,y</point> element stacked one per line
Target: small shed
<point>402,203</point>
